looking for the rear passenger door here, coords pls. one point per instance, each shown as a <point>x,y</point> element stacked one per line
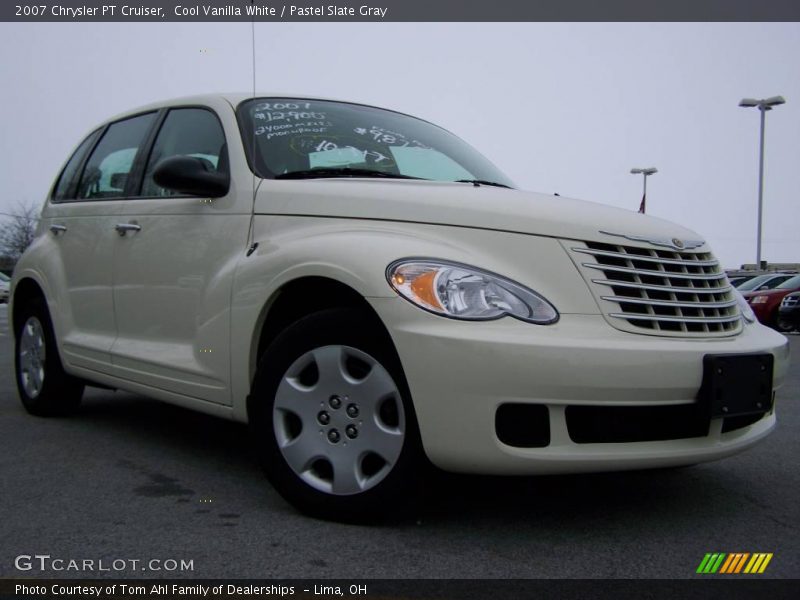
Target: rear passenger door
<point>79,220</point>
<point>173,267</point>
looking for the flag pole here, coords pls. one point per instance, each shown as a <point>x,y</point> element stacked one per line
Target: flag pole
<point>645,173</point>
<point>644,193</point>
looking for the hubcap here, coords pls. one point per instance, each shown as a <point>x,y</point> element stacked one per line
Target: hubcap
<point>339,420</point>
<point>32,357</point>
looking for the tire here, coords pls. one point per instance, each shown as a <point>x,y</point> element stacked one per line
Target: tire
<point>784,325</point>
<point>43,386</point>
<point>333,423</point>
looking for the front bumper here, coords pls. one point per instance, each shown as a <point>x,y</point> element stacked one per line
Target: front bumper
<point>791,315</point>
<point>459,373</point>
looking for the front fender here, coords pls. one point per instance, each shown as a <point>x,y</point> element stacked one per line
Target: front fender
<point>356,253</point>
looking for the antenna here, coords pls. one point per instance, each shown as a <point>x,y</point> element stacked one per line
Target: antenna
<point>251,230</point>
<point>253,44</point>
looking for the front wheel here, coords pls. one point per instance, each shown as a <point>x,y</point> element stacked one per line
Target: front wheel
<point>332,420</point>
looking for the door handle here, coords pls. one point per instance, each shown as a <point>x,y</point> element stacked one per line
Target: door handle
<point>123,228</point>
<point>56,229</point>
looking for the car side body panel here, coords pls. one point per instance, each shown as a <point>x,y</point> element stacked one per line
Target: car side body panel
<point>77,263</point>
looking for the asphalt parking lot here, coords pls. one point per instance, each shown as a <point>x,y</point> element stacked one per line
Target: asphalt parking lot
<point>130,478</point>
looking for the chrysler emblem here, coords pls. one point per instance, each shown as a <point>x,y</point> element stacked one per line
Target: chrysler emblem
<point>674,243</point>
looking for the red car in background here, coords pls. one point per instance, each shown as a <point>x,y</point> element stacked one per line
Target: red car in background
<point>765,303</point>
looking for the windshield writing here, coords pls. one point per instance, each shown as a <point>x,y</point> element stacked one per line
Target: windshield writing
<point>290,136</point>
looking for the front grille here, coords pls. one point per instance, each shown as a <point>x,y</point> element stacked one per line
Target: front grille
<point>660,292</point>
<point>622,424</point>
<point>626,424</point>
<point>790,301</point>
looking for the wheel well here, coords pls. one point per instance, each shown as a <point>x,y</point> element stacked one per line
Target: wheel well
<point>308,295</point>
<point>24,292</point>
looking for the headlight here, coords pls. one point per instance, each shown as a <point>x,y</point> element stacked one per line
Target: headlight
<point>464,292</point>
<point>747,312</point>
<point>759,300</point>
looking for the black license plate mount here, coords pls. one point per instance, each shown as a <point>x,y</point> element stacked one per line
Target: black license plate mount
<point>737,384</point>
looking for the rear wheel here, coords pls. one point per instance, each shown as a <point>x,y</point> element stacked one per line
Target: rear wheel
<point>333,423</point>
<point>43,386</point>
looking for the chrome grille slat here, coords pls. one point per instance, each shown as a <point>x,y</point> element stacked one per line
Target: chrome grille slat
<point>678,293</point>
<point>665,274</point>
<point>671,302</point>
<point>664,288</point>
<point>667,261</point>
<point>638,317</point>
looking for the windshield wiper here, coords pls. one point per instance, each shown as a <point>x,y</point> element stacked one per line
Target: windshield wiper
<point>340,172</point>
<point>480,182</point>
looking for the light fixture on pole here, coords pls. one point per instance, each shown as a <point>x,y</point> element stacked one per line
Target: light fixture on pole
<point>645,173</point>
<point>763,106</point>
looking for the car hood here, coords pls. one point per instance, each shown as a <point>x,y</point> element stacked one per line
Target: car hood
<point>462,205</point>
<point>775,292</point>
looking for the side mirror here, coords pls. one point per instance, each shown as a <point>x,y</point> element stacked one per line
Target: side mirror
<point>190,175</point>
<point>118,180</point>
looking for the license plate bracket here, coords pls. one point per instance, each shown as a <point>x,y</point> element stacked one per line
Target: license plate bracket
<point>737,384</point>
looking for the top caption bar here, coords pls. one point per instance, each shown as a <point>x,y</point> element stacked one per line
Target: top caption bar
<point>404,11</point>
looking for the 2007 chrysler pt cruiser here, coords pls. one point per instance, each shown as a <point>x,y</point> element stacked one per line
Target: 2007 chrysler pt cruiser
<point>369,293</point>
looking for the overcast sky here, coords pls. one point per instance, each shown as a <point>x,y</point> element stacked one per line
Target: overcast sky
<point>566,108</point>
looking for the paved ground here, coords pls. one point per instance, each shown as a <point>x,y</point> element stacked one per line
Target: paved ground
<point>133,479</point>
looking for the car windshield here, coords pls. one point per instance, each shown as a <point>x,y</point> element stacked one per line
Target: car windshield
<point>757,282</point>
<point>297,139</point>
<point>790,284</point>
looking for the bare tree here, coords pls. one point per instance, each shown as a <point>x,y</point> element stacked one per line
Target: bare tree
<point>18,228</point>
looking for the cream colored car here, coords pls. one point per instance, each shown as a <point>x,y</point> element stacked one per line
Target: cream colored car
<point>369,293</point>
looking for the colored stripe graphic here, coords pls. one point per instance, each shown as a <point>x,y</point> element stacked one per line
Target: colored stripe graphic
<point>732,558</point>
<point>703,563</point>
<point>711,562</point>
<point>758,563</point>
<point>735,562</point>
<point>716,565</point>
<point>765,563</point>
<point>741,562</point>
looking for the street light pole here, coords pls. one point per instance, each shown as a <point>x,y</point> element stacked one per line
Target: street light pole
<point>763,111</point>
<point>645,173</point>
<point>763,106</point>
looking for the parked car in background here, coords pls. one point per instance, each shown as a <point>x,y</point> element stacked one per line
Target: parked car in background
<point>371,294</point>
<point>767,281</point>
<point>737,280</point>
<point>5,284</point>
<point>789,313</point>
<point>765,303</point>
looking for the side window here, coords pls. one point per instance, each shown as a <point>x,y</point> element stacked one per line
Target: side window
<point>65,180</point>
<point>107,169</point>
<point>186,132</point>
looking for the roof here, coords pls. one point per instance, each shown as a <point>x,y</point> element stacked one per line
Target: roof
<point>233,98</point>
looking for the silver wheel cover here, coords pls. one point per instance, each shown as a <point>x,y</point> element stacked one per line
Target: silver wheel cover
<point>32,356</point>
<point>338,419</point>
